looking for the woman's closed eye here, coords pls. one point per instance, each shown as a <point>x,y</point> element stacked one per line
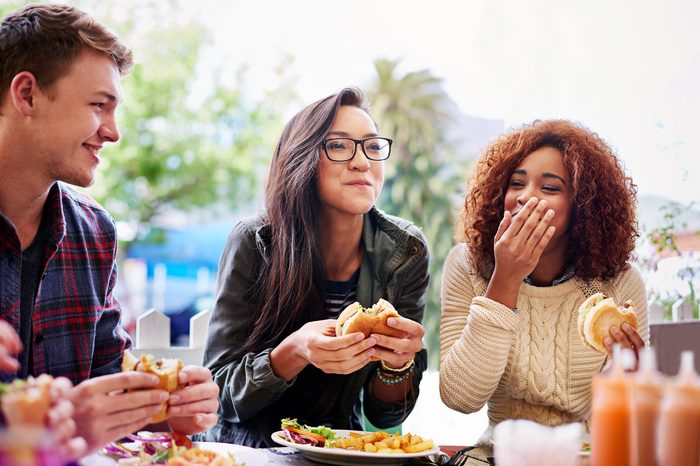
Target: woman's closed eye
<point>550,188</point>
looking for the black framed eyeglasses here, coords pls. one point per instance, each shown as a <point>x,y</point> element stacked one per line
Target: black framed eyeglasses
<point>343,149</point>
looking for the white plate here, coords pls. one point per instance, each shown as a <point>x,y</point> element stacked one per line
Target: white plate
<point>341,456</point>
<point>223,449</point>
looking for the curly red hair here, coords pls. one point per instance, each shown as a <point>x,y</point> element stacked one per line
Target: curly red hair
<point>603,222</point>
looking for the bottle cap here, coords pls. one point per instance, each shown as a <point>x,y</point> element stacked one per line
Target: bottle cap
<point>687,364</point>
<point>628,360</point>
<point>647,360</point>
<point>623,359</point>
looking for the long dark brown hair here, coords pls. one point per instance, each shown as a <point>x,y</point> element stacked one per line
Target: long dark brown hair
<point>290,282</point>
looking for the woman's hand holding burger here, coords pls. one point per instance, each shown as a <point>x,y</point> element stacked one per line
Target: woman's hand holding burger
<point>398,339</point>
<point>315,343</point>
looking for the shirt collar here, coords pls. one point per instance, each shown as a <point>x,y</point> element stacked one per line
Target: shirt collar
<point>55,212</point>
<point>568,274</point>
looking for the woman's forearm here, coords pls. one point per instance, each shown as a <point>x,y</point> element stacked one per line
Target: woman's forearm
<point>285,359</point>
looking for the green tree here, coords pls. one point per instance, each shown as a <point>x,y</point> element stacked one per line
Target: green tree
<point>179,152</point>
<point>9,6</point>
<point>422,176</point>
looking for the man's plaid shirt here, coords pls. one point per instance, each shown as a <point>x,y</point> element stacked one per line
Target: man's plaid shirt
<point>75,328</point>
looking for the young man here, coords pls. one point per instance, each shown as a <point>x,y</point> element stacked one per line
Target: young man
<point>59,89</point>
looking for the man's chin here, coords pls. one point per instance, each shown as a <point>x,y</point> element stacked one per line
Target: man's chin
<point>84,181</point>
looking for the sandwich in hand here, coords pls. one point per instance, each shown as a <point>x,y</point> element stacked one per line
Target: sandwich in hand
<point>26,402</point>
<point>356,318</point>
<point>167,371</point>
<point>320,436</point>
<point>597,314</point>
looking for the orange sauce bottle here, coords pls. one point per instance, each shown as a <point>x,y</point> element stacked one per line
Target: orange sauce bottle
<point>610,412</point>
<point>645,400</point>
<point>679,419</point>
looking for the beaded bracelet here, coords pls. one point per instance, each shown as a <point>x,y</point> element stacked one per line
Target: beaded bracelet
<point>392,380</point>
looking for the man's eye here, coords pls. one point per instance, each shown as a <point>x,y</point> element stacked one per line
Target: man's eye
<point>99,105</point>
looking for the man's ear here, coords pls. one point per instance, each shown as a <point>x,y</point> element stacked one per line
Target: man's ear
<point>23,92</point>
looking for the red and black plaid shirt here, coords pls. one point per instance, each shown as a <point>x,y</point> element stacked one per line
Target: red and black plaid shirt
<point>75,326</point>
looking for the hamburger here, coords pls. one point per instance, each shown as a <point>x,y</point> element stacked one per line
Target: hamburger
<point>367,321</point>
<point>598,314</point>
<point>356,318</point>
<point>167,371</point>
<point>26,402</point>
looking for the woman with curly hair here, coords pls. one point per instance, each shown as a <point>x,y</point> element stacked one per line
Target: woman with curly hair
<point>549,220</point>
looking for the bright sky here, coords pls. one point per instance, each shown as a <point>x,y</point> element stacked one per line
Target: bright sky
<point>628,69</point>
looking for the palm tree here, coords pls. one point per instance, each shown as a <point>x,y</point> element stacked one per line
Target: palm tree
<point>423,180</point>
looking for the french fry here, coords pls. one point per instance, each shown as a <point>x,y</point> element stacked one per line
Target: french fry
<point>383,442</point>
<point>422,446</point>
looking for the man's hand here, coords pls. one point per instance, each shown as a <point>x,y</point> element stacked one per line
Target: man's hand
<point>10,346</point>
<point>105,412</point>
<point>193,408</point>
<point>60,422</point>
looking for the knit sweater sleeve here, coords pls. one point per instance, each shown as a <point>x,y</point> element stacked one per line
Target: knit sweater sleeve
<point>476,335</point>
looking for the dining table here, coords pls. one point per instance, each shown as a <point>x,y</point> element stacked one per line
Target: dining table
<point>287,456</point>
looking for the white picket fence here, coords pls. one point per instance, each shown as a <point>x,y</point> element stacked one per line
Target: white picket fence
<point>153,337</point>
<point>430,415</point>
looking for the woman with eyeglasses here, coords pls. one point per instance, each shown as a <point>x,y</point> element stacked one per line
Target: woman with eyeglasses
<point>319,245</point>
<point>548,221</point>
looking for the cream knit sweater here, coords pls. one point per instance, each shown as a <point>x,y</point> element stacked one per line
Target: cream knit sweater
<point>529,364</point>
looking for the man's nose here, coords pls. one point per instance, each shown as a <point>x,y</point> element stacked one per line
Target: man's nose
<point>109,131</point>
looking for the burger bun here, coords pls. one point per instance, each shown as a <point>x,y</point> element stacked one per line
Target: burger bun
<point>167,371</point>
<point>598,314</point>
